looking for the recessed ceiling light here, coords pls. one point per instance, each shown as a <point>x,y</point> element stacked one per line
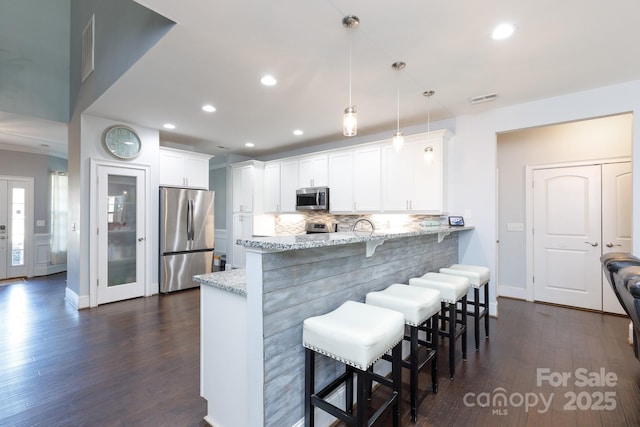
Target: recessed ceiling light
<point>297,132</point>
<point>249,144</point>
<point>169,126</point>
<point>268,80</point>
<point>503,31</point>
<point>208,108</point>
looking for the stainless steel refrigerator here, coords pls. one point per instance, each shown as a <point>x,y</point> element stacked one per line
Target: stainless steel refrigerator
<point>186,236</point>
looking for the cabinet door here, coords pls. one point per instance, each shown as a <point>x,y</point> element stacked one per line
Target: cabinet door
<point>341,181</point>
<point>171,169</point>
<point>196,172</point>
<point>272,188</point>
<point>427,189</point>
<point>366,179</point>
<point>288,186</point>
<point>242,185</point>
<point>397,178</point>
<point>313,171</point>
<point>242,229</point>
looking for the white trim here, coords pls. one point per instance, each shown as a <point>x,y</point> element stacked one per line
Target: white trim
<point>529,291</point>
<point>149,289</point>
<point>42,253</point>
<point>513,292</point>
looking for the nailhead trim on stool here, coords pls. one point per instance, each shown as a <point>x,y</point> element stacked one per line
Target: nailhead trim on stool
<point>478,277</point>
<point>453,289</point>
<point>419,306</point>
<point>357,335</point>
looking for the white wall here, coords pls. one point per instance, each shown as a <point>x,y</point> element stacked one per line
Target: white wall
<point>472,160</point>
<point>91,148</point>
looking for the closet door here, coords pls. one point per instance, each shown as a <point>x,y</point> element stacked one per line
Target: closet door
<point>616,221</point>
<point>567,236</point>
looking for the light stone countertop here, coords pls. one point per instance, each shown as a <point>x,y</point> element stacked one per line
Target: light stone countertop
<point>231,281</point>
<point>319,240</point>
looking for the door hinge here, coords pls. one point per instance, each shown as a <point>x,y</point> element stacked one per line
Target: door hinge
<point>97,282</point>
<point>98,230</point>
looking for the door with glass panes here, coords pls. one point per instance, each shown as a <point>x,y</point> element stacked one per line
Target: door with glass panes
<point>121,233</point>
<point>15,211</point>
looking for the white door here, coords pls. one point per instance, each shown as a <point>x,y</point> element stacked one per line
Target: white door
<point>616,221</point>
<point>121,233</point>
<point>567,233</point>
<point>15,211</point>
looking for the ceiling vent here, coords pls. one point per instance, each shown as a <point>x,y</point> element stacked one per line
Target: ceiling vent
<point>483,98</point>
<point>88,36</point>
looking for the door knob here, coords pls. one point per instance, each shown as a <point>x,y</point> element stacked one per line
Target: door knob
<point>3,237</point>
<point>140,239</point>
<point>594,244</point>
<point>610,245</point>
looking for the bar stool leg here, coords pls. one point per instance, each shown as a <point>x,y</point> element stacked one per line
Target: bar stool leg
<point>396,374</point>
<point>464,330</point>
<point>452,340</point>
<point>414,372</point>
<point>486,307</point>
<point>361,409</point>
<point>476,328</point>
<point>434,343</point>
<point>309,381</point>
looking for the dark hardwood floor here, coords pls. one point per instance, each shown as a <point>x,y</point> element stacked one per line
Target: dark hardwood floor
<point>136,363</point>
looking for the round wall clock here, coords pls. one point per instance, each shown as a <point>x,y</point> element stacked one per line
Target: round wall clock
<point>121,142</point>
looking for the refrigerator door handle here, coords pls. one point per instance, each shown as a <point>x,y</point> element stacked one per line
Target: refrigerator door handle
<point>188,220</point>
<point>190,227</point>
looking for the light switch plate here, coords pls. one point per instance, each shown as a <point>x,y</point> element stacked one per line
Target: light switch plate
<point>515,226</point>
<point>40,223</point>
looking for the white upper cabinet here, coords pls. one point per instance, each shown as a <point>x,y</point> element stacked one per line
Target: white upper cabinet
<point>247,186</point>
<point>288,185</point>
<point>280,184</point>
<point>180,168</point>
<point>313,171</point>
<point>414,179</point>
<point>366,179</point>
<point>272,187</point>
<point>341,181</point>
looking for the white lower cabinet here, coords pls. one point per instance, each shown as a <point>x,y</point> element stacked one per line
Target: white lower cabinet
<point>242,229</point>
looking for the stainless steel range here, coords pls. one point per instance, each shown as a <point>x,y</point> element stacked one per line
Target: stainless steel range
<point>321,227</point>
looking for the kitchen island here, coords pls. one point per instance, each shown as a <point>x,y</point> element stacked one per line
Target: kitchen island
<point>252,359</point>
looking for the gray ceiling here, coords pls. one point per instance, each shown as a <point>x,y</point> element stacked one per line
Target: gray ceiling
<point>218,51</point>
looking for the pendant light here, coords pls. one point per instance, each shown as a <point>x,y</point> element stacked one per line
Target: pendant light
<point>398,139</point>
<point>428,151</point>
<point>350,118</point>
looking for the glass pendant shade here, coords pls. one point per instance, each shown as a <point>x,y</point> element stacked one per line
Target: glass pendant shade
<point>350,122</point>
<point>398,140</point>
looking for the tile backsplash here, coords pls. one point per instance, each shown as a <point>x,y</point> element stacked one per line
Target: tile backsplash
<point>290,224</point>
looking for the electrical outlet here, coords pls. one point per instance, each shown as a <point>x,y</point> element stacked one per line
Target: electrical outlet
<point>40,223</point>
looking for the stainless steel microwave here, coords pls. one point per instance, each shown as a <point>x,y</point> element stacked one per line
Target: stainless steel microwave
<point>312,199</point>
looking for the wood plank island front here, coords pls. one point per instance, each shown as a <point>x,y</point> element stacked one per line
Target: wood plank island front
<point>252,359</point>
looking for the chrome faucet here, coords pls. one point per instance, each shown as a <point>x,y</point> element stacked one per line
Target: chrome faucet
<point>373,227</point>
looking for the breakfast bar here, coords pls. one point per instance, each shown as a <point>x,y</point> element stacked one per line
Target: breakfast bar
<point>252,359</point>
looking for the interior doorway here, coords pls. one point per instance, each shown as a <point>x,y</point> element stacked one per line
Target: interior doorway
<point>518,153</point>
<point>579,213</point>
<point>16,223</point>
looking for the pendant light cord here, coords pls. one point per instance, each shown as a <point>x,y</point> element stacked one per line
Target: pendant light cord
<point>398,102</point>
<point>350,37</point>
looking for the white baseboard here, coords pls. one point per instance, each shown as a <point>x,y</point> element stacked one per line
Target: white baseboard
<point>75,300</point>
<point>513,292</point>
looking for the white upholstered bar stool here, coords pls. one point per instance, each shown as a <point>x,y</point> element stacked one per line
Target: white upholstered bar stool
<point>420,308</point>
<point>453,289</point>
<point>357,335</point>
<point>478,278</point>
